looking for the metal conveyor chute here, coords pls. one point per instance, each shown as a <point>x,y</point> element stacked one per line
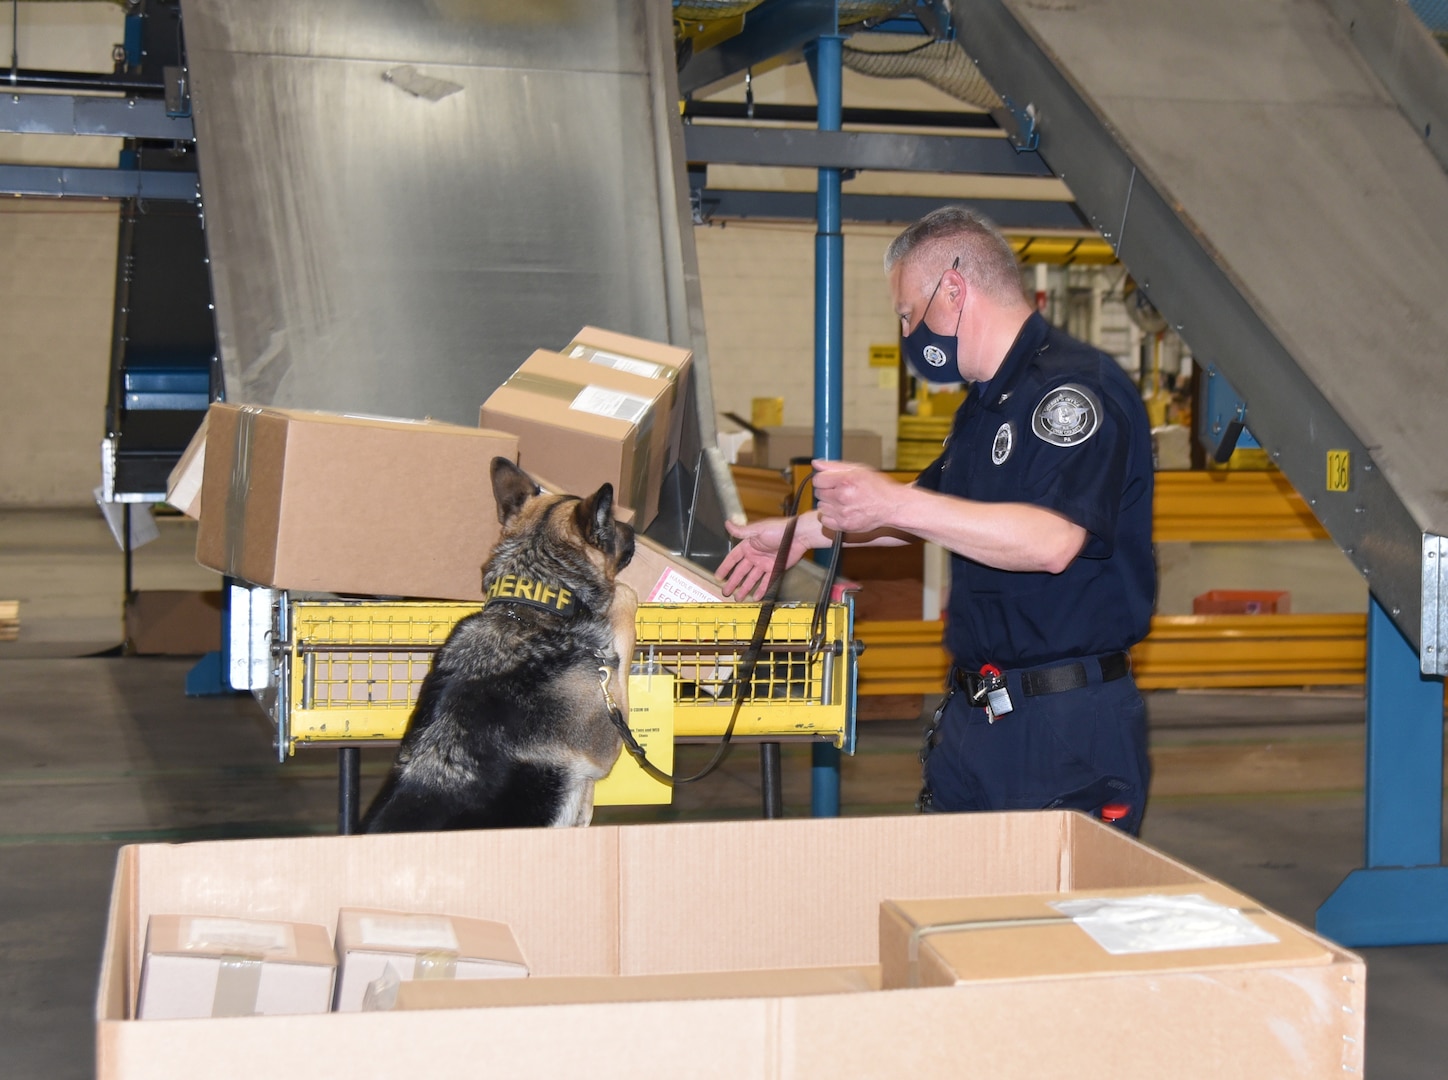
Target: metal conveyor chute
<point>402,201</point>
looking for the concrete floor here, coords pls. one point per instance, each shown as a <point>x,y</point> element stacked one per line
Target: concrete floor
<point>1261,790</point>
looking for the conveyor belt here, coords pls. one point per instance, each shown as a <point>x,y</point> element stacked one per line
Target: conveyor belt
<point>1255,165</point>
<point>403,200</point>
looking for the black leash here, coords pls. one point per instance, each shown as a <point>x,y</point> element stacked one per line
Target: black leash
<point>744,676</point>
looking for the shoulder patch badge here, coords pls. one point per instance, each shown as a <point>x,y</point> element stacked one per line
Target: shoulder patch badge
<point>1005,438</point>
<point>1067,416</point>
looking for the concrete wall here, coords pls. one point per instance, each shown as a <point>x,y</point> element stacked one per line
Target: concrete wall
<point>57,282</point>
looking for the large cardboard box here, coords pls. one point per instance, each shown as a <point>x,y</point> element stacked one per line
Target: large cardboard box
<point>668,899</point>
<point>659,576</point>
<point>583,425</point>
<point>349,504</point>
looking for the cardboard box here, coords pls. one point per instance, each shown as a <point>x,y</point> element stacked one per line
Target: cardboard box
<point>984,939</point>
<point>349,504</point>
<point>173,622</point>
<point>717,896</point>
<point>659,576</point>
<point>183,485</point>
<point>583,425</point>
<point>592,989</point>
<point>210,966</point>
<point>442,947</point>
<point>777,447</point>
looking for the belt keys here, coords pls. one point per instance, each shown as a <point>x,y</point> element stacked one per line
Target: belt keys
<point>993,689</point>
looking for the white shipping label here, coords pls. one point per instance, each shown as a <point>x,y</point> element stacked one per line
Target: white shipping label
<point>621,363</point>
<point>611,403</point>
<point>421,932</point>
<point>1143,924</point>
<point>674,588</point>
<point>239,936</point>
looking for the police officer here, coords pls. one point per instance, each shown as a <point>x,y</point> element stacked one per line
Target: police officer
<point>1042,494</point>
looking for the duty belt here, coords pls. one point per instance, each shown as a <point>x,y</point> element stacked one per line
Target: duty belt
<point>1050,680</point>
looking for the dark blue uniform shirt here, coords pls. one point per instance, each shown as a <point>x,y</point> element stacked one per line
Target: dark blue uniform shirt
<point>1060,426</point>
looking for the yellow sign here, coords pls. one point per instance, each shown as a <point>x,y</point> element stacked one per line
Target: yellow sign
<point>1339,470</point>
<point>885,356</point>
<point>651,719</point>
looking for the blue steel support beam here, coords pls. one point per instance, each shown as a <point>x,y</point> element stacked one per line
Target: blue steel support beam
<point>1401,896</point>
<point>1014,215</point>
<point>69,114</point>
<point>829,391</point>
<point>84,183</point>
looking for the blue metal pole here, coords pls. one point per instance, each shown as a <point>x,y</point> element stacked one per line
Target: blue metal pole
<point>1401,896</point>
<point>829,390</point>
<point>1404,785</point>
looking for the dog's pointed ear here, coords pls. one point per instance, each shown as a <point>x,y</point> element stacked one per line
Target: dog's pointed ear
<point>512,487</point>
<point>595,518</point>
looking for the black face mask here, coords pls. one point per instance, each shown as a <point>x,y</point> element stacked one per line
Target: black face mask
<point>930,355</point>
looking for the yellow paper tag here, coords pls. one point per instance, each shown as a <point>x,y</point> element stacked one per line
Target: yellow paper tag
<point>1339,470</point>
<point>651,719</point>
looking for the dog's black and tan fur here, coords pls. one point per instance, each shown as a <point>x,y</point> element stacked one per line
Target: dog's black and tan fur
<point>511,726</point>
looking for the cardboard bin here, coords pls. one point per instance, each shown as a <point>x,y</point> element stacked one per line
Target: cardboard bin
<point>724,896</point>
<point>204,966</point>
<point>583,425</point>
<point>349,504</point>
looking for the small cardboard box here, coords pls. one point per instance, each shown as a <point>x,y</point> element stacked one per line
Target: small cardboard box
<point>777,447</point>
<point>722,896</point>
<point>593,989</point>
<point>1004,938</point>
<point>432,947</point>
<point>205,966</point>
<point>583,425</point>
<point>349,504</point>
<point>173,622</point>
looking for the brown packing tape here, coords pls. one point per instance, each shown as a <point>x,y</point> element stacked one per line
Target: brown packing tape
<point>545,385</point>
<point>436,964</point>
<point>240,483</point>
<point>237,983</point>
<point>620,362</point>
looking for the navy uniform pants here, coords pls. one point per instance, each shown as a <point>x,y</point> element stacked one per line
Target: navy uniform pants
<point>1078,749</point>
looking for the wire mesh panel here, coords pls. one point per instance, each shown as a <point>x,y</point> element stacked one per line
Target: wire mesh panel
<point>355,668</point>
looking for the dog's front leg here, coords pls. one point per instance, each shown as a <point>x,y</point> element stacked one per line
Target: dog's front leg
<point>585,806</point>
<point>623,617</point>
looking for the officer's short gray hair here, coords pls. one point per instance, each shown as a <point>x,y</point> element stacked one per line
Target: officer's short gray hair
<point>986,258</point>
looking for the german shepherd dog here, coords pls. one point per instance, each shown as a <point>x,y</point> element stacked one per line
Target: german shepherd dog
<point>511,727</point>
